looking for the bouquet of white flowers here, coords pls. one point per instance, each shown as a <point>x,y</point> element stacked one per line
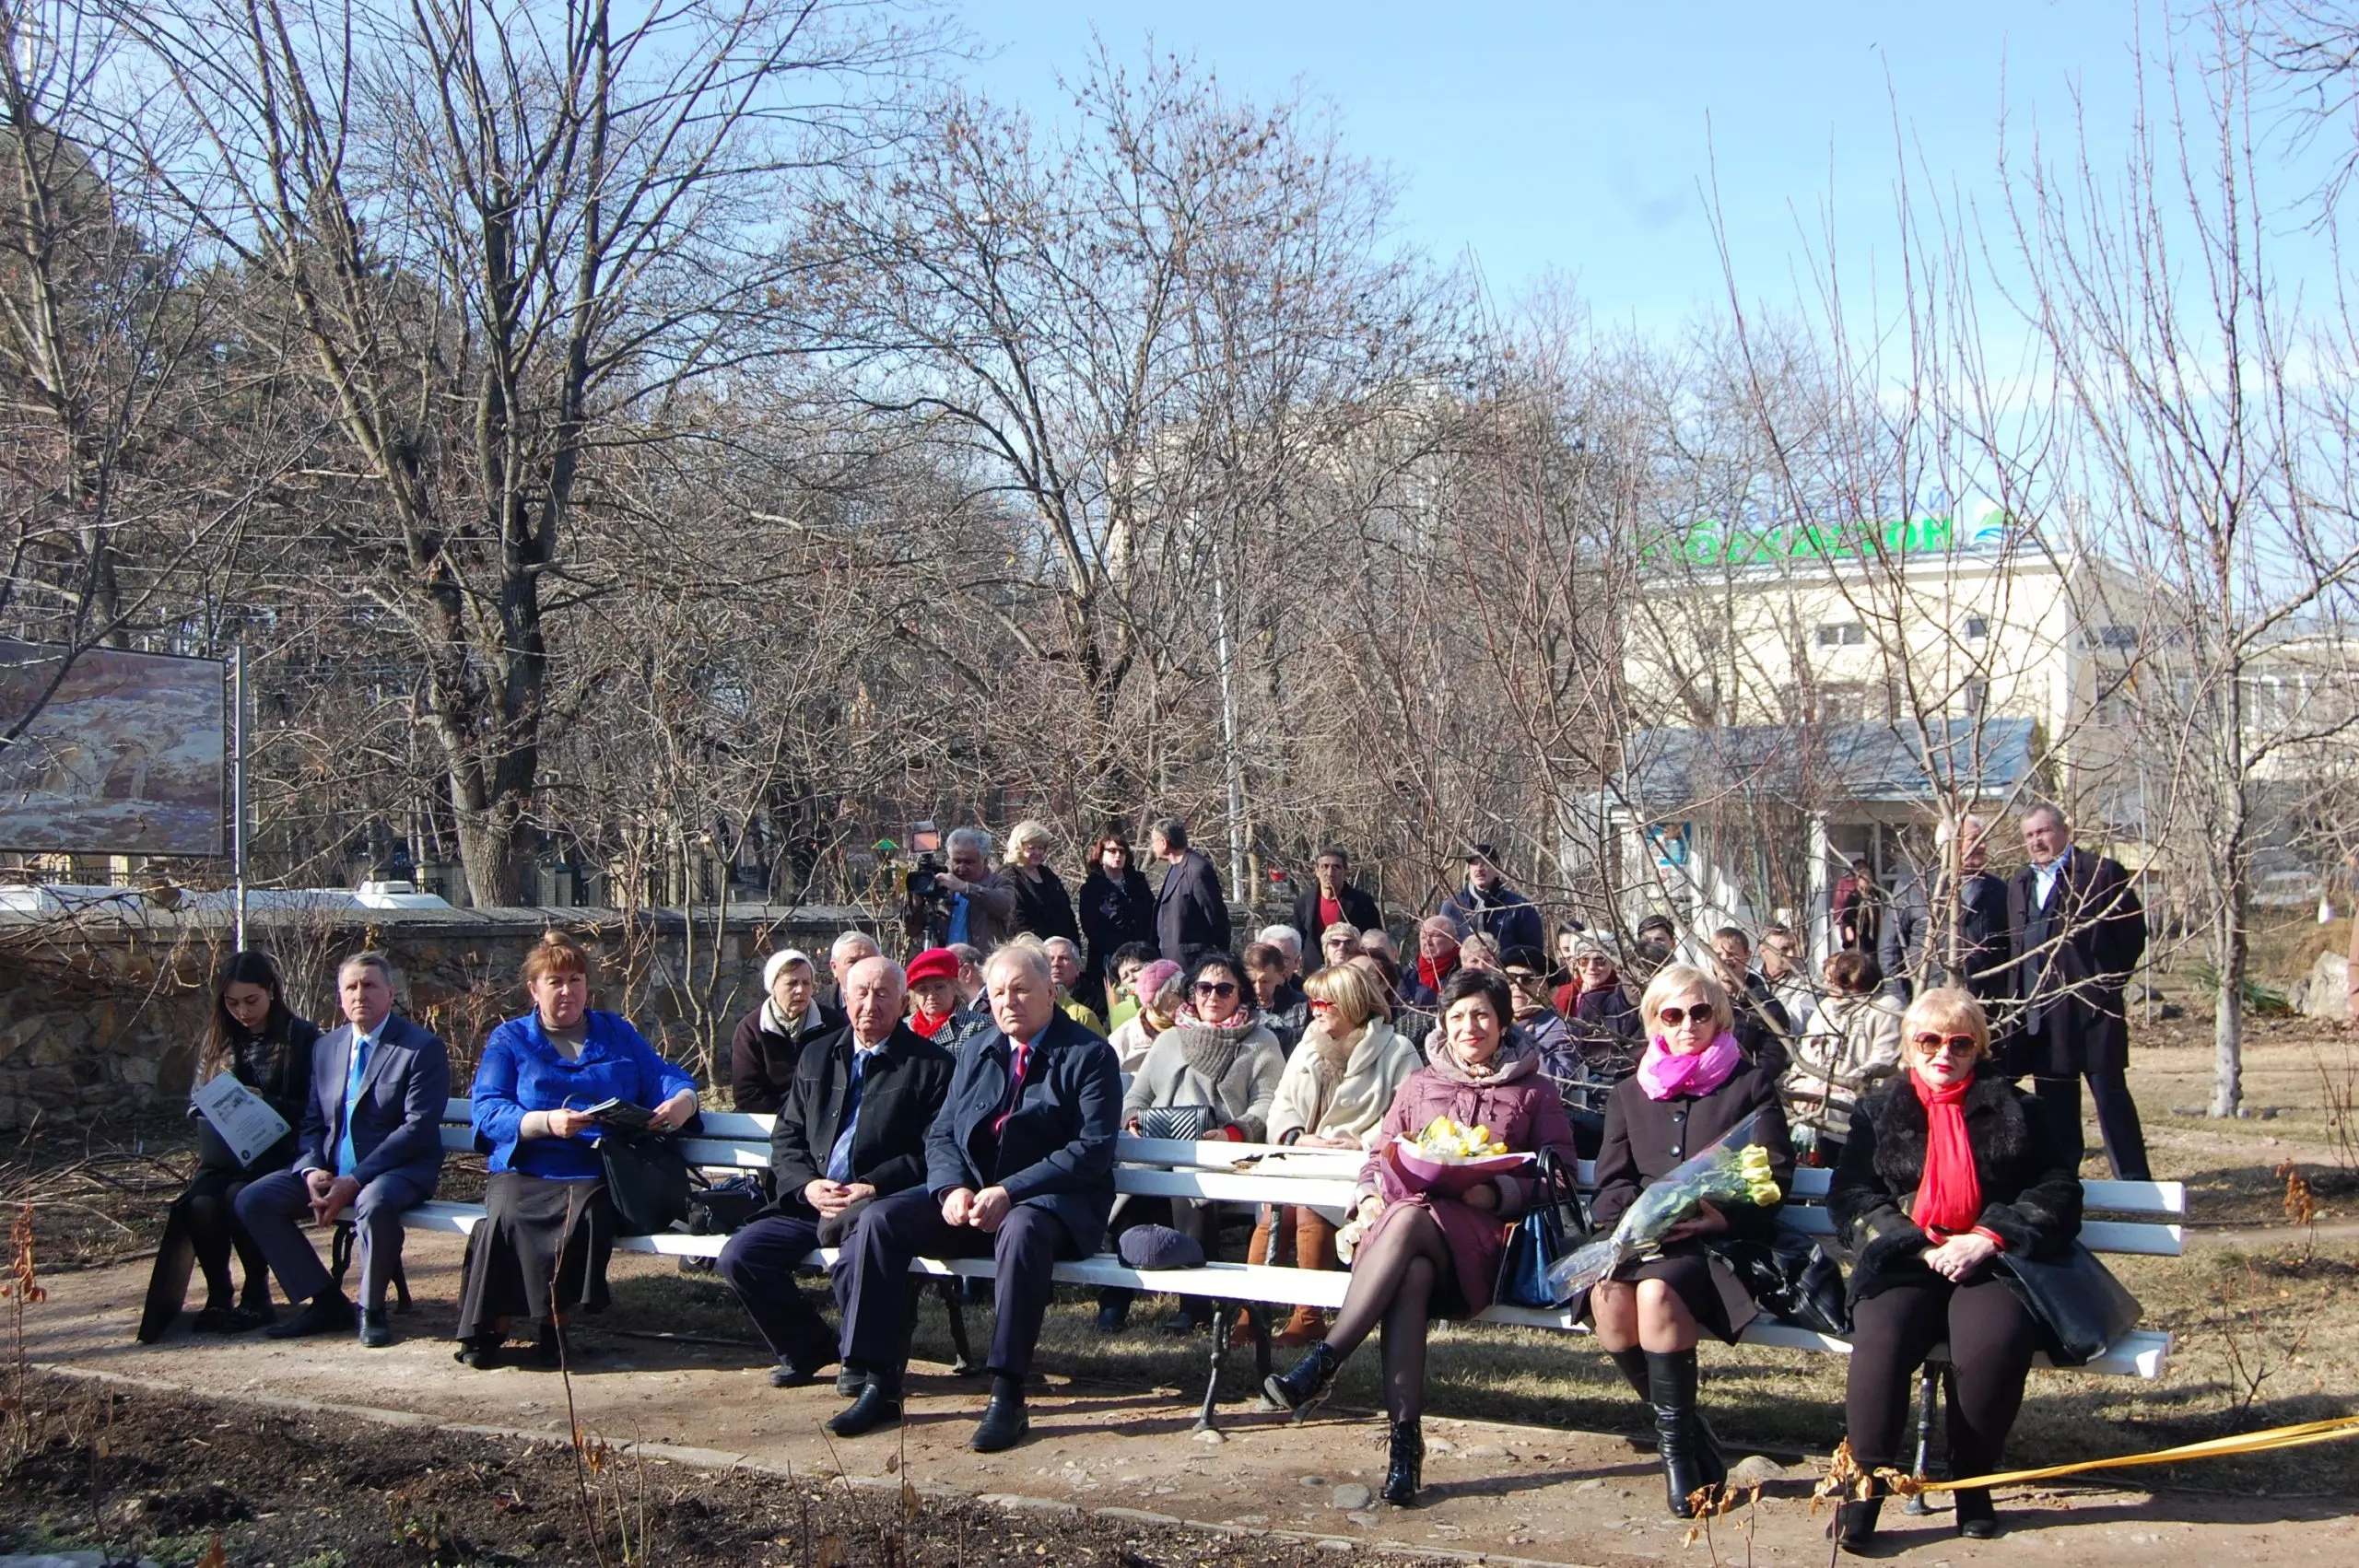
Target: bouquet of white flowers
<point>1735,1169</point>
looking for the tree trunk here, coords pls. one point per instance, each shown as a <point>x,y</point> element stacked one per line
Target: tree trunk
<point>2228,1011</point>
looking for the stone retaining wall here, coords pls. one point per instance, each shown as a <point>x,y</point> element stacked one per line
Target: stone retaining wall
<point>103,1011</point>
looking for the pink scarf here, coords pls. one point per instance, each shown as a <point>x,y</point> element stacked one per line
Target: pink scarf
<point>1664,1074</point>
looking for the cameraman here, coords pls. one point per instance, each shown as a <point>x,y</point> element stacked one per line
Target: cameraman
<point>970,902</point>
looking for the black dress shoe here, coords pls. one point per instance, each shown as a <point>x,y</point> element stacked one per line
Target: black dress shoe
<point>481,1354</point>
<point>1189,1319</point>
<point>375,1332</point>
<point>1113,1319</point>
<point>324,1314</point>
<point>786,1374</point>
<point>878,1405</point>
<point>850,1382</point>
<point>1977,1519</point>
<point>1003,1424</point>
<point>216,1320</point>
<point>254,1314</point>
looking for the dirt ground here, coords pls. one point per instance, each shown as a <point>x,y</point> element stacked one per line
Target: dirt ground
<point>1530,1462</point>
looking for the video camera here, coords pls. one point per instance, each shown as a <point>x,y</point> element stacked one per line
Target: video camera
<point>922,882</point>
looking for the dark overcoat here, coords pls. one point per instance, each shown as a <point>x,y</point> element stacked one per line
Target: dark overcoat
<point>2031,1193</point>
<point>900,1091</point>
<point>2069,983</point>
<point>1056,1150</point>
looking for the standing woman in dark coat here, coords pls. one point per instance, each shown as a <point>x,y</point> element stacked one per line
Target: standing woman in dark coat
<point>1424,1256</point>
<point>1947,1167</point>
<point>1042,906</point>
<point>549,1225</point>
<point>1692,1086</point>
<point>1117,909</point>
<point>256,1040</point>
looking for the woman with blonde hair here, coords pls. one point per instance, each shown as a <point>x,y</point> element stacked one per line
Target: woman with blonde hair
<point>548,1224</point>
<point>1043,907</point>
<point>1337,1085</point>
<point>1947,1167</point>
<point>1693,1086</point>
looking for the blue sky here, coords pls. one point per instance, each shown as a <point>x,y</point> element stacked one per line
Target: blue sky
<point>1577,138</point>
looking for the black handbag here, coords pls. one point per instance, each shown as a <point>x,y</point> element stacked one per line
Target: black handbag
<point>2080,1308</point>
<point>647,1181</point>
<point>722,1207</point>
<point>1186,1123</point>
<point>1556,1221</point>
<point>1789,1276</point>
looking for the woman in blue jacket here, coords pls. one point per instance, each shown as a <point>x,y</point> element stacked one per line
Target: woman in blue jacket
<point>548,1226</point>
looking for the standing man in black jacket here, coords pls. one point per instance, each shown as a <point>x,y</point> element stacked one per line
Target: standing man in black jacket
<point>2076,932</point>
<point>1917,953</point>
<point>1334,897</point>
<point>1191,912</point>
<point>1020,1168</point>
<point>849,1130</point>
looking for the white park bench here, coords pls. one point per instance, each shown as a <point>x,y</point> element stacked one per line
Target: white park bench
<point>2129,1217</point>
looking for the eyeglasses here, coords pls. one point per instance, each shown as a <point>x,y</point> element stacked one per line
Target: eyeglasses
<point>1319,1006</point>
<point>1672,1017</point>
<point>1934,1045</point>
<point>1216,988</point>
<point>1525,977</point>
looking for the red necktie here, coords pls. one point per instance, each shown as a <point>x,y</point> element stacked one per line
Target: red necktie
<point>1015,1083</point>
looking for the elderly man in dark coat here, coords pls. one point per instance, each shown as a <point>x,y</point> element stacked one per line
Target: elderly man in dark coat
<point>1191,912</point>
<point>2076,932</point>
<point>1020,1168</point>
<point>851,1130</point>
<point>1919,952</point>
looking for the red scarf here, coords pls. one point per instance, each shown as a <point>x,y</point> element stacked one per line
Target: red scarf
<point>926,1023</point>
<point>1949,1197</point>
<point>1430,974</point>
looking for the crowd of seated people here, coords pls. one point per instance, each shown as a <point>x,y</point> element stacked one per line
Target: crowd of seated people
<point>968,1103</point>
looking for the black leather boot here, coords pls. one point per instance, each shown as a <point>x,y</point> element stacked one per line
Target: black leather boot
<point>1855,1521</point>
<point>879,1404</point>
<point>1978,1519</point>
<point>1303,1388</point>
<point>1406,1473</point>
<point>1004,1420</point>
<point>1632,1364</point>
<point>1671,1388</point>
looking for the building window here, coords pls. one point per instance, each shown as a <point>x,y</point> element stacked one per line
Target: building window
<point>1845,634</point>
<point>1975,699</point>
<point>2117,637</point>
<point>1976,628</point>
<point>1842,702</point>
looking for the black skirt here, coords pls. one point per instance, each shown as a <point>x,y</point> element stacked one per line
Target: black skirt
<point>541,1243</point>
<point>1707,1287</point>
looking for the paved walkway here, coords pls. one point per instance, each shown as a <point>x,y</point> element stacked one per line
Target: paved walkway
<point>1513,1493</point>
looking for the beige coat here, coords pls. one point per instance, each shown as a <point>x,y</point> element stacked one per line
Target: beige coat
<point>1853,1043</point>
<point>1341,1088</point>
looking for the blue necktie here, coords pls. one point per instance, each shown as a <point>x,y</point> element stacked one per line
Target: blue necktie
<point>346,1160</point>
<point>840,1157</point>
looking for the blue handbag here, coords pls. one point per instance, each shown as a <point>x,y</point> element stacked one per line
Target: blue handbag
<point>1556,1221</point>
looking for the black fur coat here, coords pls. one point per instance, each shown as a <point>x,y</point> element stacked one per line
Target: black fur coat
<point>2031,1190</point>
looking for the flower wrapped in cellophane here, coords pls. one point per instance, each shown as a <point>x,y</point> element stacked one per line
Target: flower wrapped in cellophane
<point>1734,1170</point>
<point>1449,1158</point>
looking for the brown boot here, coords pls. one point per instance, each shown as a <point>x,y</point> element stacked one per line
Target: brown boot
<point>1257,1251</point>
<point>1307,1325</point>
<point>1314,1241</point>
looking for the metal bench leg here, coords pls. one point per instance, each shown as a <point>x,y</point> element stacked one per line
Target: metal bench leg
<point>1205,1422</point>
<point>340,1253</point>
<point>950,1292</point>
<point>1928,1381</point>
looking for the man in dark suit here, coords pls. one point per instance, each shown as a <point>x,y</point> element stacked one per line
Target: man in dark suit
<point>851,1130</point>
<point>1918,953</point>
<point>1488,904</point>
<point>1191,912</point>
<point>1019,1168</point>
<point>371,1141</point>
<point>1764,1030</point>
<point>2076,931</point>
<point>1334,897</point>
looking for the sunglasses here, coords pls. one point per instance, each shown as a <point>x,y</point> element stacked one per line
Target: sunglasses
<point>1672,1017</point>
<point>1216,988</point>
<point>1934,1045</point>
<point>1524,977</point>
<point>1319,1006</point>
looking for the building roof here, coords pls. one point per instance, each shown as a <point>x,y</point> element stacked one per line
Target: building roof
<point>1667,771</point>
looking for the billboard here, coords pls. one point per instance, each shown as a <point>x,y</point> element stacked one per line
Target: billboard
<point>128,756</point>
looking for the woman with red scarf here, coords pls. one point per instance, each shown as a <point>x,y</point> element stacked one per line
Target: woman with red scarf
<point>1947,1167</point>
<point>1692,1086</point>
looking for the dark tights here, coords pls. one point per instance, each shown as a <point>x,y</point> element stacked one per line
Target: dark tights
<point>1992,1339</point>
<point>213,1231</point>
<point>1393,1276</point>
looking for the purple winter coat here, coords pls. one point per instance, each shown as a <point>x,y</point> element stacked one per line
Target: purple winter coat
<point>1524,1111</point>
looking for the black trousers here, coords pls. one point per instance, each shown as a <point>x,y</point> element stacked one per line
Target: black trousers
<point>2125,1140</point>
<point>1991,1337</point>
<point>758,1263</point>
<point>872,1277</point>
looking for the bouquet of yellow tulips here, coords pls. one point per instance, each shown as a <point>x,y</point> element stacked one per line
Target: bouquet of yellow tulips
<point>1448,1157</point>
<point>1734,1170</point>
